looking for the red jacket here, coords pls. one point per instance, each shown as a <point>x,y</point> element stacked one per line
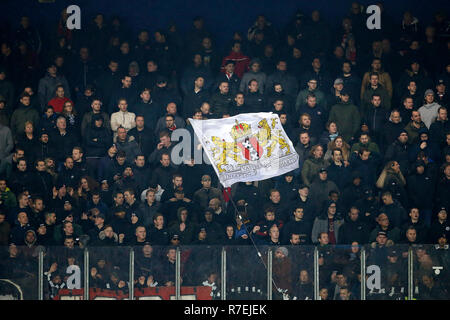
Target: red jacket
<point>241,60</point>
<point>58,103</point>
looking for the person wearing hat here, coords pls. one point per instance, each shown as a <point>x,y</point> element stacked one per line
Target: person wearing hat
<point>429,111</point>
<point>321,188</point>
<point>201,236</point>
<point>421,190</point>
<point>440,226</point>
<point>204,195</point>
<point>346,115</point>
<point>442,96</point>
<point>334,95</point>
<point>311,88</point>
<point>424,146</point>
<point>183,227</point>
<point>399,151</point>
<point>47,85</point>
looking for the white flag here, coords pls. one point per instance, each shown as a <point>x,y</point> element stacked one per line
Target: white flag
<point>246,147</point>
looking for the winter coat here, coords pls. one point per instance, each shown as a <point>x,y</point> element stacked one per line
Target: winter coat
<point>21,115</point>
<point>354,231</point>
<point>220,102</point>
<point>47,88</point>
<point>97,140</point>
<point>396,213</point>
<point>311,168</point>
<point>347,118</point>
<point>87,121</point>
<point>130,147</point>
<point>366,98</point>
<point>321,225</point>
<point>301,99</point>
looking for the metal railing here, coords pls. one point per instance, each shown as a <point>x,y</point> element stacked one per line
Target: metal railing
<point>376,273</point>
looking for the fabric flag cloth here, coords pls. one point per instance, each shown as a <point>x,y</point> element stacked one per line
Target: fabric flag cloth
<point>246,147</point>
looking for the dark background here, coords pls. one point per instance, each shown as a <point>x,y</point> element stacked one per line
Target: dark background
<point>222,17</point>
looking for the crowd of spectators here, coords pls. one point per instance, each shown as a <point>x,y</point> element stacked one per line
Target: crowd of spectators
<point>86,122</point>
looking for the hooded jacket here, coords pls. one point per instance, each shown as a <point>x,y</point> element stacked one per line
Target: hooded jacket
<point>428,113</point>
<point>97,140</point>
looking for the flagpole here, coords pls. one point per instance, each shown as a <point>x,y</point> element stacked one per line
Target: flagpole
<point>249,234</point>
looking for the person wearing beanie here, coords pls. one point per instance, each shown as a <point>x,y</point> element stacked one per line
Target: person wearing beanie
<point>429,111</point>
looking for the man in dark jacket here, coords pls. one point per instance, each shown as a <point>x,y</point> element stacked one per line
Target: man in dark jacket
<point>440,127</point>
<point>193,72</point>
<point>354,229</point>
<point>127,143</point>
<point>376,118</point>
<point>195,96</point>
<point>374,87</point>
<point>24,112</point>
<point>254,99</point>
<point>98,138</point>
<point>126,91</point>
<point>282,76</point>
<point>63,139</point>
<point>143,135</point>
<point>297,225</point>
<point>399,151</point>
<point>338,172</point>
<point>148,108</point>
<point>108,81</point>
<point>391,129</point>
<point>346,116</point>
<point>96,106</point>
<point>393,209</point>
<point>421,190</point>
<point>220,101</point>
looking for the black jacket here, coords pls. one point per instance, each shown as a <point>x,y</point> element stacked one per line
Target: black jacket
<point>354,231</point>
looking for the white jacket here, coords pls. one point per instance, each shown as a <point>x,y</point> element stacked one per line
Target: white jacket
<point>124,119</point>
